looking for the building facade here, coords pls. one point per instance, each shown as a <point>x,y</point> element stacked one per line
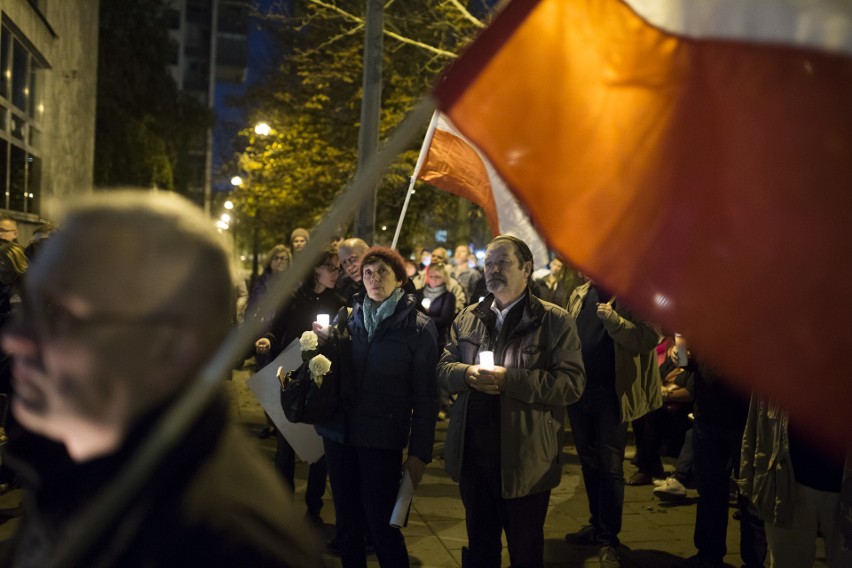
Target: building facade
<point>198,63</point>
<point>48,80</point>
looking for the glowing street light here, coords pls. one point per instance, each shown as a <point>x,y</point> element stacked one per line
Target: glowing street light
<point>225,218</point>
<point>262,129</point>
<point>236,181</point>
<point>228,205</point>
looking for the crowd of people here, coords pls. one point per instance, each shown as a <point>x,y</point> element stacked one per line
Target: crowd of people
<point>103,335</point>
<point>566,351</point>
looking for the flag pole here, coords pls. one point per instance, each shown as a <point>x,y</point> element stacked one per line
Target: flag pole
<point>424,151</point>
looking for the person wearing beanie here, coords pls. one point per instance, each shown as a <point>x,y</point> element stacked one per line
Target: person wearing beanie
<point>299,239</point>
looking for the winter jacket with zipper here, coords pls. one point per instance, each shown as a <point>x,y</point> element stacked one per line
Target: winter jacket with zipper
<point>637,376</point>
<point>544,374</point>
<point>392,397</point>
<point>766,471</point>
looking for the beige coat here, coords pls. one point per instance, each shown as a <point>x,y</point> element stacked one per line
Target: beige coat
<point>637,376</point>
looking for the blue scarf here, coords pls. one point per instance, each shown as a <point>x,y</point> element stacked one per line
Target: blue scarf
<point>375,313</point>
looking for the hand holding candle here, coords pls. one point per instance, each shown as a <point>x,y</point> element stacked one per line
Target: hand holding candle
<point>486,360</point>
<point>322,328</point>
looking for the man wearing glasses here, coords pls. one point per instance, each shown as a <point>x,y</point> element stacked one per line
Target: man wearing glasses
<point>350,252</point>
<point>122,309</point>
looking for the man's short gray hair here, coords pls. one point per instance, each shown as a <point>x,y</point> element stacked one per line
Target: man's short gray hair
<point>138,254</point>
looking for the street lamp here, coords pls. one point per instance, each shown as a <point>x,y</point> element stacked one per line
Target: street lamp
<point>262,129</point>
<point>228,205</point>
<point>236,181</point>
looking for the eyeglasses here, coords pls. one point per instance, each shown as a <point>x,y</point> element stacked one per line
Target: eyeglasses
<point>282,258</point>
<point>331,267</point>
<point>46,319</point>
<point>7,230</point>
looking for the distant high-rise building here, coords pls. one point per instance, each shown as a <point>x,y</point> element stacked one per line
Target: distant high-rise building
<point>199,62</point>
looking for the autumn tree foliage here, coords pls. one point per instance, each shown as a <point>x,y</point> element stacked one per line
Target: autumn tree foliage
<point>313,101</point>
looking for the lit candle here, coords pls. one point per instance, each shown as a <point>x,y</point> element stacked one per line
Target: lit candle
<point>425,302</point>
<point>486,360</point>
<point>323,320</point>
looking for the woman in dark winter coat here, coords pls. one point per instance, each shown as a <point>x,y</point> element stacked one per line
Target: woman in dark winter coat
<point>388,403</point>
<point>315,296</point>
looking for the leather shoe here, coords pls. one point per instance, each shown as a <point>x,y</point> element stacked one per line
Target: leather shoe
<point>586,536</point>
<point>640,478</point>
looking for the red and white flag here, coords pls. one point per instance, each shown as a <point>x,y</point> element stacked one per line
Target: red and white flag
<point>451,162</point>
<point>695,158</point>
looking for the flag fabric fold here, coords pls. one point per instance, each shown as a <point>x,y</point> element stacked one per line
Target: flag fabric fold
<point>701,169</point>
<point>455,165</point>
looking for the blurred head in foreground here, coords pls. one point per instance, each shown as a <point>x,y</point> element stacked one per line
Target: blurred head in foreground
<point>122,307</point>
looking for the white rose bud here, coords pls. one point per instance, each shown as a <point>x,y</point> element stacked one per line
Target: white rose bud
<point>319,366</point>
<point>308,341</point>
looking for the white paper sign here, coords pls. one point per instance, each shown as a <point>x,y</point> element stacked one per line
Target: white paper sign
<point>403,502</point>
<point>266,388</point>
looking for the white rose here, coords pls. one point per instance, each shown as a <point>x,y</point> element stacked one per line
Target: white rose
<point>319,366</point>
<point>309,341</point>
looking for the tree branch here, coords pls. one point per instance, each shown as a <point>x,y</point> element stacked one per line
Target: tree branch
<point>467,15</point>
<point>394,35</point>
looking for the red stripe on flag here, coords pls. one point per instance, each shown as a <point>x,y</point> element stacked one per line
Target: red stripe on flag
<point>455,167</point>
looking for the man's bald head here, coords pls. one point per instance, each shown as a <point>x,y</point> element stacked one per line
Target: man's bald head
<point>350,252</point>
<point>137,254</point>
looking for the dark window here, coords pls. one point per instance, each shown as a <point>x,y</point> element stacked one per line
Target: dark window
<point>17,178</point>
<point>5,69</point>
<point>33,184</point>
<point>17,125</point>
<point>20,76</point>
<point>4,173</point>
<point>20,123</point>
<point>34,97</point>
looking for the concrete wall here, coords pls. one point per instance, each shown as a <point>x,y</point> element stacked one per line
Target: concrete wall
<point>65,33</point>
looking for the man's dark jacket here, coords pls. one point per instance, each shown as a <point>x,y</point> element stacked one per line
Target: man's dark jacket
<point>211,503</point>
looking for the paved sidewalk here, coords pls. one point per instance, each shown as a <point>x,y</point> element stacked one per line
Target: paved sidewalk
<point>654,535</point>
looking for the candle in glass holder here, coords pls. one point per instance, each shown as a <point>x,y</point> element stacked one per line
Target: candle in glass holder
<point>486,360</point>
<point>323,320</point>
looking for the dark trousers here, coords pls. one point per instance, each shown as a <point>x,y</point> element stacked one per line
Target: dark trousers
<point>657,427</point>
<point>285,462</point>
<point>685,459</point>
<point>716,452</point>
<point>487,514</point>
<point>601,438</point>
<point>364,484</point>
